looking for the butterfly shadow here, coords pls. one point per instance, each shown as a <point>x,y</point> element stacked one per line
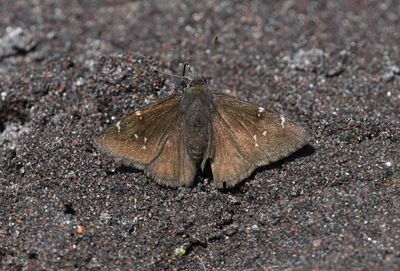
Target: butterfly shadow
<point>306,151</point>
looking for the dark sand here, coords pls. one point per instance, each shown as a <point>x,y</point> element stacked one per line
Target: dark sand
<point>68,69</point>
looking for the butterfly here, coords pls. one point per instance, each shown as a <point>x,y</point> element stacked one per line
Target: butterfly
<point>174,138</point>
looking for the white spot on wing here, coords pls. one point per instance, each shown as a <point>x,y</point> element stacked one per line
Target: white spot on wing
<point>260,110</point>
<point>145,140</point>
<point>136,136</point>
<point>255,139</point>
<point>144,147</point>
<point>264,133</point>
<point>118,124</point>
<point>283,120</point>
<point>139,113</point>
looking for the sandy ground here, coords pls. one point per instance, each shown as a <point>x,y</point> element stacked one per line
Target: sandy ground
<point>69,69</point>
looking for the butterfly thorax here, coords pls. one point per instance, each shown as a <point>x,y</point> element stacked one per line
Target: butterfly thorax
<point>198,109</point>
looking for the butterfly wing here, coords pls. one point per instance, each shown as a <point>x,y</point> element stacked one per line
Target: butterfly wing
<point>152,139</point>
<point>247,136</point>
<point>173,166</point>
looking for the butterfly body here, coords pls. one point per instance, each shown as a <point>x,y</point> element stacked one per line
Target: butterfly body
<point>197,126</point>
<point>175,137</point>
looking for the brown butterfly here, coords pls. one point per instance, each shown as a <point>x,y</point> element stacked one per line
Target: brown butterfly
<point>171,139</point>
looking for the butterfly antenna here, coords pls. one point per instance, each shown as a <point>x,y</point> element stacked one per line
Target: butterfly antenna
<point>213,50</point>
<point>185,65</point>
<point>170,74</point>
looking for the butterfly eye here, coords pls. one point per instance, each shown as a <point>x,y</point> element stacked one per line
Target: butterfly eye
<point>204,79</point>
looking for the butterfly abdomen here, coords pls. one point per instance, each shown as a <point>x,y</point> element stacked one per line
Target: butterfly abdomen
<point>199,102</point>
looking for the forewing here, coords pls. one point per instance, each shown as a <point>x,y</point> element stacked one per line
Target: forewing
<point>247,136</point>
<point>138,138</point>
<point>151,139</point>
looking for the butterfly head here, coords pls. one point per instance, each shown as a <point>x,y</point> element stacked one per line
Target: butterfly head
<point>196,79</point>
